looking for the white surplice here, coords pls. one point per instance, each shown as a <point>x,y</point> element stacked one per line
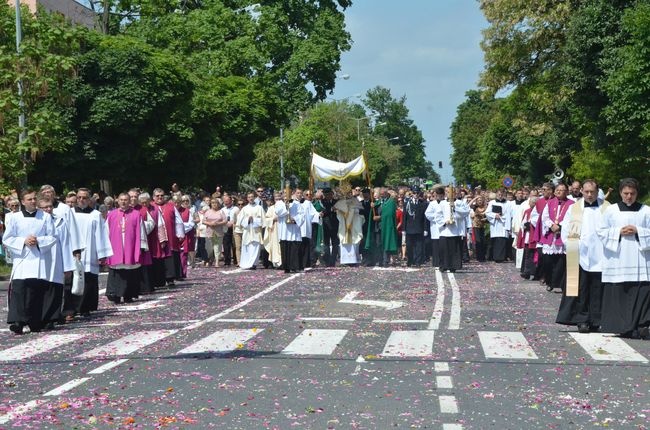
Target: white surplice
<point>30,262</point>
<point>250,220</point>
<point>94,240</point>
<point>627,258</point>
<point>289,231</point>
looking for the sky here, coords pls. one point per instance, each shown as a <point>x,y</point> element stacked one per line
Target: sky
<point>425,50</point>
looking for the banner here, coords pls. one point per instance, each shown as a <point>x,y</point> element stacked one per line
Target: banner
<point>323,169</point>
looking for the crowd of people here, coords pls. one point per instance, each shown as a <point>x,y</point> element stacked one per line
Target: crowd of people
<point>568,238</point>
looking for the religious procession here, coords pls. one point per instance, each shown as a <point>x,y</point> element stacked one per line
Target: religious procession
<point>567,238</point>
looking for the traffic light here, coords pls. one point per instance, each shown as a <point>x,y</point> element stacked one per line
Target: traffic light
<point>439,164</point>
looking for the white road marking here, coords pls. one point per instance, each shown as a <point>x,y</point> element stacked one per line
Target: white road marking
<point>246,320</point>
<point>325,319</point>
<point>400,321</point>
<point>350,298</point>
<point>409,343</point>
<point>222,341</point>
<point>448,404</point>
<point>91,324</point>
<point>454,318</point>
<point>606,347</point>
<point>233,271</point>
<point>440,366</point>
<point>108,366</point>
<point>452,426</point>
<point>20,410</point>
<point>444,382</point>
<point>241,304</point>
<point>150,304</point>
<point>505,344</point>
<point>396,269</point>
<point>168,322</point>
<point>439,307</point>
<point>315,342</point>
<point>38,346</point>
<point>61,389</point>
<point>128,344</point>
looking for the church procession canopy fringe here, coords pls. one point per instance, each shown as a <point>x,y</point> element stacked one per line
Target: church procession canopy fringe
<point>323,169</point>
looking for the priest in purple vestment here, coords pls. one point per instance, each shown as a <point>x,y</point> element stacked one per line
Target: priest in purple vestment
<point>126,232</point>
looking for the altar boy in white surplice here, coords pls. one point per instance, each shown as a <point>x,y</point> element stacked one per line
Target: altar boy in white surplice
<point>29,236</point>
<point>250,219</point>
<point>625,234</point>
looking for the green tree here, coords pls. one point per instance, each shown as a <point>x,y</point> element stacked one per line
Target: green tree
<point>473,117</point>
<point>251,64</point>
<point>132,118</point>
<point>330,130</point>
<point>627,86</point>
<point>392,119</point>
<point>45,67</point>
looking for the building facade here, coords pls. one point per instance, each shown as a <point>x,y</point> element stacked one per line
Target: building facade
<point>72,10</point>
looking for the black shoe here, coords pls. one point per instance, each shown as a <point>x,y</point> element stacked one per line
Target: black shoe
<point>16,328</point>
<point>634,334</point>
<point>583,328</point>
<point>128,300</point>
<point>49,326</point>
<point>549,288</point>
<point>644,332</point>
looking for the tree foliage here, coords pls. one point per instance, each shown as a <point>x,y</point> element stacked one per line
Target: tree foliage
<point>392,117</point>
<point>340,131</point>
<point>330,130</point>
<point>576,73</point>
<point>45,68</point>
<point>186,89</point>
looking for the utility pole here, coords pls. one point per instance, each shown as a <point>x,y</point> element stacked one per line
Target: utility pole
<point>21,103</point>
<point>281,159</point>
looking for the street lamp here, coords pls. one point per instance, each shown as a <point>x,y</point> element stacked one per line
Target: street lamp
<point>21,103</point>
<point>281,159</point>
<point>353,96</point>
<point>358,120</point>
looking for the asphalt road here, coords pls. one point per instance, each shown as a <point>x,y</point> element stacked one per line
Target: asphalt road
<point>330,348</point>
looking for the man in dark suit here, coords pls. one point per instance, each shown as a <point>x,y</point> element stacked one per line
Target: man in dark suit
<point>366,212</point>
<point>330,228</point>
<point>413,220</point>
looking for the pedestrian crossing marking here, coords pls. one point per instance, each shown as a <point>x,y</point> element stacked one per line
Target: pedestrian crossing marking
<point>448,404</point>
<point>315,342</point>
<point>396,269</point>
<point>128,344</point>
<point>409,343</point>
<point>400,343</point>
<point>38,346</point>
<point>606,347</point>
<point>222,341</point>
<point>142,306</point>
<point>62,389</point>
<point>443,381</point>
<point>438,309</point>
<point>506,344</point>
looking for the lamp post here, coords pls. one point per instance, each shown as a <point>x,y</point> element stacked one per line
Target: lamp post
<point>281,159</point>
<point>358,120</point>
<point>21,103</point>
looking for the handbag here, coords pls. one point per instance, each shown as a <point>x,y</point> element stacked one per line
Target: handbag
<point>78,279</point>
